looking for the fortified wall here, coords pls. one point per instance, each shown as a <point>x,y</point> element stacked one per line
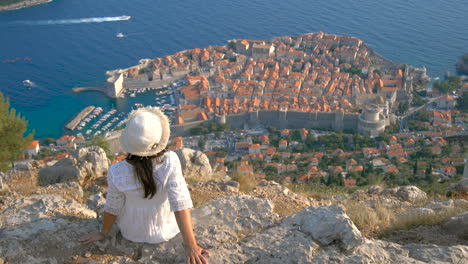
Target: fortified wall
<point>280,119</point>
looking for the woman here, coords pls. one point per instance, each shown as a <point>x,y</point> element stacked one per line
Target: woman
<point>145,189</point>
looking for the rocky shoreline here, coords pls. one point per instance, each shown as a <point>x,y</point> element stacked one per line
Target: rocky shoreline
<point>23,4</point>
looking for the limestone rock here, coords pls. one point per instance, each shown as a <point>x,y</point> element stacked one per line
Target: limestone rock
<point>85,164</point>
<point>389,191</point>
<point>64,170</point>
<point>416,212</point>
<point>328,225</point>
<point>96,202</point>
<point>410,194</point>
<point>23,165</point>
<point>195,164</point>
<point>26,217</point>
<point>374,189</point>
<point>235,228</point>
<point>68,190</point>
<point>437,254</point>
<point>458,225</point>
<point>94,155</point>
<point>459,189</point>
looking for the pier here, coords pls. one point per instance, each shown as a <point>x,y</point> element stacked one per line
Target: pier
<point>77,119</point>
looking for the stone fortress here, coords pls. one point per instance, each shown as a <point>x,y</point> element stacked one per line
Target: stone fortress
<point>313,80</point>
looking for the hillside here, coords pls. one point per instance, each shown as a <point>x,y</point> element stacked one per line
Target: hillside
<point>267,223</point>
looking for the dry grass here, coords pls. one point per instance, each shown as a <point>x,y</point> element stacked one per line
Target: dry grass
<point>381,221</point>
<point>318,192</point>
<point>246,182</point>
<point>368,220</point>
<point>410,222</point>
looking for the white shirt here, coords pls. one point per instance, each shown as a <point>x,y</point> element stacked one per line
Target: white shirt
<point>147,220</point>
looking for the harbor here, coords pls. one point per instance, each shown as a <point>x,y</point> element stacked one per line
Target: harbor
<point>102,120</point>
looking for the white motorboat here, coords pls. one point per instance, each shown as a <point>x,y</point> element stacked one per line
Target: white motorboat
<point>120,35</point>
<point>28,83</point>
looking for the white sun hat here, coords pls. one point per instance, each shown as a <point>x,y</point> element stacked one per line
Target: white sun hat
<point>146,133</point>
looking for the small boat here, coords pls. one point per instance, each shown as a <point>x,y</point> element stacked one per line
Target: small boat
<point>132,95</point>
<point>120,35</point>
<point>125,17</point>
<point>88,131</point>
<point>28,83</point>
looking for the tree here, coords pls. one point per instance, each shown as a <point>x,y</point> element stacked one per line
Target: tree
<point>13,126</point>
<point>101,142</point>
<point>462,102</point>
<point>202,143</point>
<point>403,107</point>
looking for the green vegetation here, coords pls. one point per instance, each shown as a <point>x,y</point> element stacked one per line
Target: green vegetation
<point>353,70</point>
<point>101,142</point>
<point>13,142</point>
<point>462,64</point>
<point>403,107</point>
<point>462,102</point>
<point>209,127</point>
<point>415,125</point>
<point>449,85</point>
<point>9,2</point>
<point>231,45</point>
<point>417,100</point>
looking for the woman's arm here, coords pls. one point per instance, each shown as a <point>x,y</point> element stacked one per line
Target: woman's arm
<point>109,220</point>
<point>193,252</point>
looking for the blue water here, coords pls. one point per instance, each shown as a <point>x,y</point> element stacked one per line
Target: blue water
<point>431,33</point>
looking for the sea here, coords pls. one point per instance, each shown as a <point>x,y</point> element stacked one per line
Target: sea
<point>69,43</point>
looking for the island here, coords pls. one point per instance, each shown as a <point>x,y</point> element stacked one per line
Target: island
<point>314,80</point>
<point>6,5</point>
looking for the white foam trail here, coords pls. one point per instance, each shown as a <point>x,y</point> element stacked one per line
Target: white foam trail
<point>71,21</point>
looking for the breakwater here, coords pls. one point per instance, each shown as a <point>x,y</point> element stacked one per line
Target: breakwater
<point>77,119</point>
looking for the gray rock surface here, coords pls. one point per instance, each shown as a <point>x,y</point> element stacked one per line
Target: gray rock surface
<point>459,189</point>
<point>85,164</point>
<point>96,202</point>
<point>458,225</point>
<point>328,225</point>
<point>416,212</point>
<point>68,190</point>
<point>195,164</point>
<point>374,189</point>
<point>235,228</point>
<point>94,155</point>
<point>410,194</point>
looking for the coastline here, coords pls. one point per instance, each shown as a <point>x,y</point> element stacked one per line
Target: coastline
<point>23,4</point>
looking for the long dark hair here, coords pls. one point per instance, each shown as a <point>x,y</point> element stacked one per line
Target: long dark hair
<point>144,170</point>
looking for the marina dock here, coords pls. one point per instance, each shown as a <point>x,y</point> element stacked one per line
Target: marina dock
<point>77,119</point>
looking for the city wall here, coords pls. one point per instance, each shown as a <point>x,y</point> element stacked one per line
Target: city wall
<point>282,119</point>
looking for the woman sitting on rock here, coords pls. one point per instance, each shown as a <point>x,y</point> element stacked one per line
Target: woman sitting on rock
<point>145,189</point>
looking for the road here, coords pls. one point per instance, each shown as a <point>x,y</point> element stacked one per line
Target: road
<point>404,119</point>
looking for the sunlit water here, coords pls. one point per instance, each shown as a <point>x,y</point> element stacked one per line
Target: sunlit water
<point>48,44</point>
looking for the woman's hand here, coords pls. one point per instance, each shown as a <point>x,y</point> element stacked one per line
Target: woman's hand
<point>195,255</point>
<point>91,237</point>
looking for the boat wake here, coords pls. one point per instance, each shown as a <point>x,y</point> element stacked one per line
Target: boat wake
<point>70,21</point>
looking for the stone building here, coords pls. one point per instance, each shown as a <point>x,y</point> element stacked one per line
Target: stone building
<point>372,120</point>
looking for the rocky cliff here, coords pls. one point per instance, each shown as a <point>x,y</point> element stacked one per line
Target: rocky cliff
<point>269,224</point>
